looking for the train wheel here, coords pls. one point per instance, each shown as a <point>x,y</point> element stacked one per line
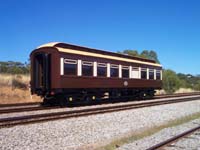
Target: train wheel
<point>49,101</point>
<point>61,100</point>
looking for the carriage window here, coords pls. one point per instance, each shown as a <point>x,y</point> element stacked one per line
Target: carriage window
<point>151,74</point>
<point>125,72</point>
<point>158,75</point>
<point>143,73</point>
<point>101,70</point>
<point>87,68</point>
<point>70,67</point>
<point>114,71</point>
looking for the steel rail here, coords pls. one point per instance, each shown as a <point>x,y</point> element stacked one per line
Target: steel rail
<point>26,109</point>
<point>173,139</point>
<point>12,121</point>
<point>19,104</point>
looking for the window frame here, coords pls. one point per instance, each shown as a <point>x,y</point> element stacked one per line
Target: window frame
<point>87,63</point>
<point>126,68</point>
<point>102,65</point>
<point>135,68</point>
<point>143,69</point>
<point>70,61</point>
<point>158,71</point>
<point>114,66</point>
<point>151,71</point>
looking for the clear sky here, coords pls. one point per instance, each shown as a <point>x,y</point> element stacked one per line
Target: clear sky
<point>170,27</point>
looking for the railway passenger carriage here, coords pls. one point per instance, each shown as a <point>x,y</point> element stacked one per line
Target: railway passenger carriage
<point>64,73</point>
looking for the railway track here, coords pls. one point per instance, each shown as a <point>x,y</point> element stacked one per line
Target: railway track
<point>18,104</point>
<point>157,96</point>
<point>12,121</point>
<point>26,107</point>
<point>174,139</point>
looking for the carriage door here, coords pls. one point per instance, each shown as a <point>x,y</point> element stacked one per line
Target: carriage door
<point>42,71</point>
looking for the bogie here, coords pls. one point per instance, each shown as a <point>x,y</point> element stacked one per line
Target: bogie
<point>98,96</point>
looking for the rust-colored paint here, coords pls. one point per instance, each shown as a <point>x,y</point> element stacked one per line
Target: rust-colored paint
<point>98,82</point>
<point>58,81</point>
<point>55,66</point>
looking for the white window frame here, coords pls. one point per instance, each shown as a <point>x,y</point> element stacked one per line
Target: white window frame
<point>140,69</point>
<point>114,66</point>
<point>89,63</point>
<point>108,70</point>
<point>152,70</point>
<point>130,72</point>
<point>125,68</point>
<point>154,74</point>
<point>69,61</point>
<point>61,66</point>
<point>120,71</point>
<point>102,65</point>
<point>143,69</point>
<point>159,71</point>
<point>161,75</point>
<point>79,67</point>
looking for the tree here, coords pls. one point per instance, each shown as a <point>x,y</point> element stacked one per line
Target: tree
<point>171,82</point>
<point>153,55</point>
<point>197,86</point>
<point>150,55</point>
<point>12,67</point>
<point>188,80</point>
<point>144,54</point>
<point>130,52</point>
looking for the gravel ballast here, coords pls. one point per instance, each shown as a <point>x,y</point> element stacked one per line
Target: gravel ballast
<point>164,134</point>
<point>92,131</point>
<point>190,142</point>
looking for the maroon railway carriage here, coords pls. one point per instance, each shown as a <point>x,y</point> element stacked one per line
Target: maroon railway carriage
<point>65,73</point>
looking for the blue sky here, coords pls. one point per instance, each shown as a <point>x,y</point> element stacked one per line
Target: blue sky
<point>170,27</point>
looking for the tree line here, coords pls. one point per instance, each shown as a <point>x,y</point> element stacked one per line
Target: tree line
<point>148,54</point>
<point>12,67</point>
<point>173,81</point>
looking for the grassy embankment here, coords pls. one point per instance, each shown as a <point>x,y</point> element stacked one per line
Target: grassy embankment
<point>14,89</point>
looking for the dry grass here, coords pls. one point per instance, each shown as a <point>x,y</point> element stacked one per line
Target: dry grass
<point>7,79</point>
<point>181,90</point>
<point>14,89</point>
<point>184,90</point>
<point>160,92</point>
